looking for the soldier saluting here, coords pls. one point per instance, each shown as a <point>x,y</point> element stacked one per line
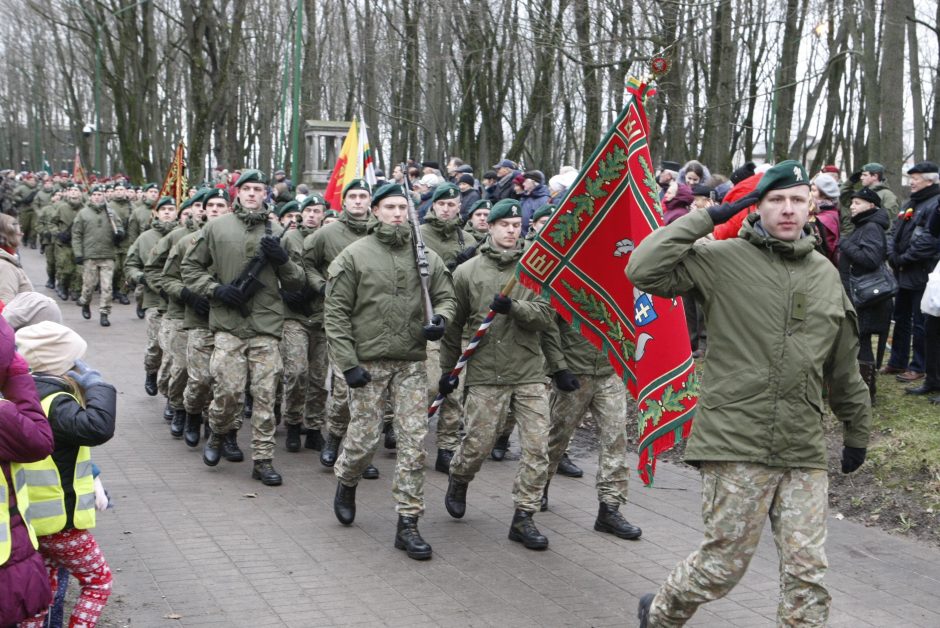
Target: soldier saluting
<point>374,318</point>
<point>247,327</point>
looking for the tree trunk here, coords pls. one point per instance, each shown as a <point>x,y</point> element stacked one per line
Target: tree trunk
<point>892,95</point>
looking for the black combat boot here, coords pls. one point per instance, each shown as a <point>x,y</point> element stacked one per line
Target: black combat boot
<point>568,468</point>
<point>643,609</point>
<point>62,293</point>
<point>523,531</point>
<point>103,319</point>
<point>150,384</point>
<point>409,539</point>
<point>293,438</point>
<point>212,452</point>
<point>140,311</point>
<point>499,449</point>
<point>50,282</point>
<point>610,520</point>
<point>328,453</point>
<point>313,439</point>
<point>230,450</point>
<point>455,499</point>
<point>442,464</point>
<point>178,424</point>
<point>391,442</point>
<point>264,471</point>
<point>192,429</point>
<point>344,504</point>
<point>371,473</point>
<point>86,311</point>
<point>544,505</point>
<point>75,296</point>
<point>121,298</point>
<point>168,412</point>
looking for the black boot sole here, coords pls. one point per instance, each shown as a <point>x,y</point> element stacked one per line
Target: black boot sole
<point>532,545</point>
<point>210,463</point>
<point>192,438</point>
<point>603,527</point>
<point>370,474</point>
<point>399,544</point>
<point>266,481</point>
<point>239,457</point>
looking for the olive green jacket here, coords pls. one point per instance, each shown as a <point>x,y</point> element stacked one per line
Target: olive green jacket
<point>65,216</point>
<point>93,233</point>
<point>324,244</point>
<point>122,212</point>
<point>156,261</point>
<point>374,307</point>
<point>138,253</point>
<point>510,353</point>
<point>565,348</point>
<point>173,279</point>
<point>446,239</point>
<point>220,254</point>
<point>140,219</point>
<point>294,243</point>
<point>781,330</point>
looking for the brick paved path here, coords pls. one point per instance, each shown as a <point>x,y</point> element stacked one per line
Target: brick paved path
<point>195,546</point>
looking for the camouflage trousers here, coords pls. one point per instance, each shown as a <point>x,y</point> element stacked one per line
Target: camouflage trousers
<point>27,220</point>
<point>117,282</point>
<point>233,361</point>
<point>303,350</point>
<point>168,328</point>
<point>450,412</point>
<point>175,360</point>
<point>337,416</point>
<point>737,498</point>
<point>49,252</point>
<point>67,275</point>
<point>153,354</point>
<point>606,396</point>
<point>97,272</point>
<point>198,392</point>
<point>406,382</point>
<point>485,409</point>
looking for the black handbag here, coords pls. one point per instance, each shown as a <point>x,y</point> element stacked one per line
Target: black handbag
<point>874,287</point>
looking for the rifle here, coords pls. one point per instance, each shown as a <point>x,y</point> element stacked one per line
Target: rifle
<point>420,251</point>
<point>114,227</point>
<point>247,281</point>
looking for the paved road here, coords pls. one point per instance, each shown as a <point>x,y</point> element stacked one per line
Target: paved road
<point>195,546</point>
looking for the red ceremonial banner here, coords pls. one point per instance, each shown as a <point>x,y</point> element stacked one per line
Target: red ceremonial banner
<point>579,258</point>
<point>174,184</point>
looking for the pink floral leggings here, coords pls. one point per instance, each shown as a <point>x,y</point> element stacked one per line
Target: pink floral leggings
<point>77,551</point>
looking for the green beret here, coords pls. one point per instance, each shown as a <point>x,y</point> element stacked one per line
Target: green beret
<point>188,202</point>
<point>148,186</point>
<point>387,191</point>
<point>786,174</point>
<point>251,176</point>
<point>874,168</point>
<point>330,213</point>
<point>481,204</point>
<point>313,199</point>
<point>357,184</point>
<point>447,190</point>
<point>288,207</point>
<point>216,193</point>
<point>97,188</point>
<point>165,200</point>
<point>542,212</point>
<point>506,208</point>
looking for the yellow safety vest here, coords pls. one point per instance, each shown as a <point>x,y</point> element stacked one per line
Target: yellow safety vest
<point>22,504</point>
<point>46,511</point>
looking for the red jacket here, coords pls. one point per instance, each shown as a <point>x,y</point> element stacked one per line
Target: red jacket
<point>730,229</point>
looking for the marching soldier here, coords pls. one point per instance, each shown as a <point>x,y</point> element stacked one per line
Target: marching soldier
<point>121,206</point>
<point>582,379</point>
<point>140,220</point>
<point>506,372</point>
<point>68,279</point>
<point>247,325</point>
<point>320,249</point>
<point>173,337</point>
<point>45,226</point>
<point>303,345</point>
<point>164,222</point>
<point>95,236</point>
<point>24,196</point>
<point>373,316</point>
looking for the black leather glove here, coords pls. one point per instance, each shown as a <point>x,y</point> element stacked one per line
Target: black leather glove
<point>274,251</point>
<point>435,329</point>
<point>357,377</point>
<point>198,303</point>
<point>501,304</point>
<point>64,237</point>
<point>446,385</point>
<point>229,295</point>
<point>79,260</point>
<point>724,212</point>
<point>856,176</point>
<point>464,255</point>
<point>143,280</point>
<point>566,381</point>
<point>117,238</point>
<point>163,295</point>
<point>294,299</point>
<point>852,458</point>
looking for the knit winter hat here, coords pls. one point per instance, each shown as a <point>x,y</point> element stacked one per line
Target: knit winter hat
<point>50,347</point>
<point>29,308</point>
<point>827,185</point>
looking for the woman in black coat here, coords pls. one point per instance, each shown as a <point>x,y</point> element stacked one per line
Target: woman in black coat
<point>863,251</point>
